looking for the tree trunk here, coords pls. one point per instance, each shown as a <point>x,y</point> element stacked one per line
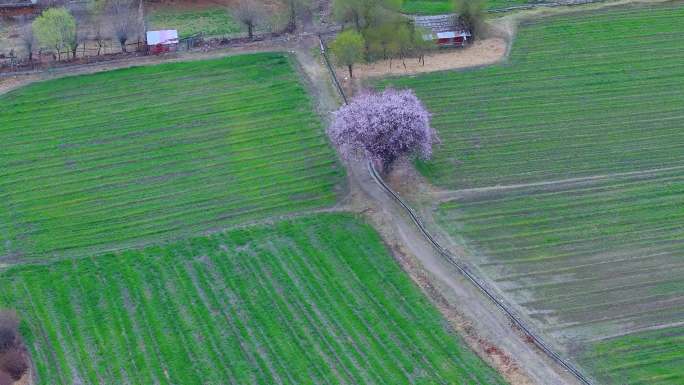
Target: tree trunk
<point>350,71</point>
<point>292,23</point>
<point>250,30</point>
<point>123,45</point>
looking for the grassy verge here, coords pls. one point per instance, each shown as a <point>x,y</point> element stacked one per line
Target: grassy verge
<point>148,153</point>
<point>188,22</point>
<point>314,300</point>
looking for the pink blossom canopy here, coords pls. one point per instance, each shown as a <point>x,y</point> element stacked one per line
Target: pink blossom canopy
<point>384,126</point>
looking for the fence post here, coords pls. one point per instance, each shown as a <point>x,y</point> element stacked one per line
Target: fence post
<point>331,69</point>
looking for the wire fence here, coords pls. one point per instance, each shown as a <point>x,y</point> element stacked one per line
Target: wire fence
<point>517,321</point>
<point>324,53</point>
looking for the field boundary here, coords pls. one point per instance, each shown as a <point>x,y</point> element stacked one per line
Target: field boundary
<point>324,53</point>
<point>450,195</point>
<point>517,321</point>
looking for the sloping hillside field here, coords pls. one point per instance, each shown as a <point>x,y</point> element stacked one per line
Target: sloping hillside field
<point>567,170</point>
<point>307,301</point>
<point>122,157</point>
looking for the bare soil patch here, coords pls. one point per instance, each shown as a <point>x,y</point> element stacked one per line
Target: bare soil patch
<point>482,52</point>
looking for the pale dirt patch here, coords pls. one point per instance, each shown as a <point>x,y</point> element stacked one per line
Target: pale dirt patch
<point>481,53</point>
<point>9,83</point>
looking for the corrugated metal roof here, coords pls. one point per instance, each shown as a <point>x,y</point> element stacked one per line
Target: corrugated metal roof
<point>16,3</point>
<point>451,34</point>
<point>167,36</point>
<point>439,23</point>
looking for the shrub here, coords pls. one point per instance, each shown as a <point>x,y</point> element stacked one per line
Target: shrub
<point>5,379</point>
<point>8,330</point>
<point>13,363</point>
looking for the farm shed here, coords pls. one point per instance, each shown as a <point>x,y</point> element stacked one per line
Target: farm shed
<point>444,30</point>
<point>162,41</point>
<point>10,8</point>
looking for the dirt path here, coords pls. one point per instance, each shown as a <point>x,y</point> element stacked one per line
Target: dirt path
<point>288,43</point>
<point>484,328</point>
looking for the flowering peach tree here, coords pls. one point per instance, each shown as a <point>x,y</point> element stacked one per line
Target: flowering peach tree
<point>383,126</point>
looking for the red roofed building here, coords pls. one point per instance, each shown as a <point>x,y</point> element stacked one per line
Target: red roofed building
<point>444,30</point>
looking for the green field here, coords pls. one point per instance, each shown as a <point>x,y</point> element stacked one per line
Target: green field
<point>620,360</point>
<point>438,7</point>
<point>124,157</point>
<point>584,260</point>
<point>579,96</point>
<point>307,301</point>
<point>599,97</point>
<point>188,22</point>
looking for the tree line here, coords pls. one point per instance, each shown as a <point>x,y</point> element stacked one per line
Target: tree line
<point>58,29</point>
<point>376,29</point>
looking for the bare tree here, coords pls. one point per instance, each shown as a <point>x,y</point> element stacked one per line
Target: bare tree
<point>99,35</point>
<point>79,38</point>
<point>296,10</point>
<point>473,14</point>
<point>28,40</point>
<point>124,20</point>
<point>251,13</point>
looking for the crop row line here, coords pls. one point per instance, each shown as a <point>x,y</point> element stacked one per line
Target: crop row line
<point>476,281</point>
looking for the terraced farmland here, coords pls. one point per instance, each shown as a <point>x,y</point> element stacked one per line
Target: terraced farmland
<point>128,156</point>
<point>580,96</point>
<point>313,300</point>
<point>566,172</point>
